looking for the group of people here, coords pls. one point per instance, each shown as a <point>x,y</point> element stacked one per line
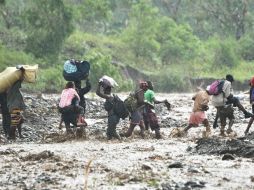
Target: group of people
<point>143,114</point>
<point>224,103</point>
<point>72,107</point>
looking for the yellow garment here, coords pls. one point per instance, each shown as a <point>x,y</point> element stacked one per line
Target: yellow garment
<point>11,75</point>
<point>201,98</point>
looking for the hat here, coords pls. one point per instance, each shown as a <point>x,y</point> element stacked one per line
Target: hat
<point>230,78</point>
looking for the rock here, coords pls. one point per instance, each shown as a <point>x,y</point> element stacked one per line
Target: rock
<point>192,184</point>
<point>252,178</point>
<point>193,170</point>
<point>176,165</point>
<point>189,148</point>
<point>227,157</point>
<point>146,167</point>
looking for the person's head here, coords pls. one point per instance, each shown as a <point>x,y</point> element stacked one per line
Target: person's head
<point>150,85</point>
<point>143,85</point>
<point>252,82</point>
<point>107,89</point>
<point>70,84</point>
<point>230,78</point>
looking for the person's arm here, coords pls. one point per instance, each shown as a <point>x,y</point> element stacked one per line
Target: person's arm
<point>194,97</point>
<point>100,93</point>
<point>158,101</point>
<point>86,89</point>
<point>227,90</point>
<point>76,94</point>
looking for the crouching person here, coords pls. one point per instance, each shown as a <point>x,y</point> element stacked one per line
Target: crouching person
<point>198,115</point>
<point>69,106</point>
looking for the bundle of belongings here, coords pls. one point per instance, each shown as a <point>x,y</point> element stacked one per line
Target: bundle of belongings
<point>12,74</point>
<point>76,70</point>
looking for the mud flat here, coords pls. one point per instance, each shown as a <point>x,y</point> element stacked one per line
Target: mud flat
<point>46,159</point>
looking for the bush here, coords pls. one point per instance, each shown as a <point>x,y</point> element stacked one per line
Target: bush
<point>10,58</point>
<point>247,47</point>
<point>102,65</point>
<point>171,80</point>
<point>221,54</point>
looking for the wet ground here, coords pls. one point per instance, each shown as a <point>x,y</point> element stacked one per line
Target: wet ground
<point>47,159</point>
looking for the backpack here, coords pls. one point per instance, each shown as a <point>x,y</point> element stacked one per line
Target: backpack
<point>119,107</point>
<point>216,87</point>
<point>131,103</point>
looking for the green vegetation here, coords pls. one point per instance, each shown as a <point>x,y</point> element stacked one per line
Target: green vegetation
<point>168,42</point>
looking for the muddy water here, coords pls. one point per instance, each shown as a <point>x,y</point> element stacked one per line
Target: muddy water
<point>46,159</point>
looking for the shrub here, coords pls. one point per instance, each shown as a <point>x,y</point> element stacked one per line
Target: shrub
<point>247,47</point>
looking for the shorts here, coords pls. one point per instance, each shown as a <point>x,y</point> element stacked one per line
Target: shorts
<point>136,117</point>
<point>197,118</point>
<point>150,117</point>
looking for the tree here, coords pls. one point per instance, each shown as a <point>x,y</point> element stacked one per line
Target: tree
<point>48,24</point>
<point>141,30</point>
<point>91,15</point>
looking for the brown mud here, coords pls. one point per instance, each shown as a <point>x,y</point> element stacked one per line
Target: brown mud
<point>48,159</point>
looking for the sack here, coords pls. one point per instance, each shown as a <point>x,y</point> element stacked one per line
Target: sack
<point>30,73</point>
<point>79,71</point>
<point>120,108</point>
<point>12,74</point>
<point>131,103</point>
<point>108,81</point>
<point>216,87</point>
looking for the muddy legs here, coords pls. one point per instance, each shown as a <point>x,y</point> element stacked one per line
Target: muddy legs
<point>249,125</point>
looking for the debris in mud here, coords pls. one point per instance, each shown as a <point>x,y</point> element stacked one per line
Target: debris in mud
<point>239,147</point>
<point>146,166</point>
<point>227,157</point>
<point>41,156</point>
<point>186,186</point>
<point>8,151</point>
<point>176,165</point>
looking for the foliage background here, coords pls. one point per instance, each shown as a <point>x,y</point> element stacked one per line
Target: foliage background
<point>169,42</point>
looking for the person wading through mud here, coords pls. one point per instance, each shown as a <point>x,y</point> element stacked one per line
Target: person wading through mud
<point>104,91</point>
<point>6,117</point>
<point>251,93</point>
<point>198,116</point>
<point>82,92</point>
<point>16,105</point>
<point>69,106</point>
<point>223,102</point>
<point>150,118</point>
<point>136,117</point>
<point>74,71</point>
